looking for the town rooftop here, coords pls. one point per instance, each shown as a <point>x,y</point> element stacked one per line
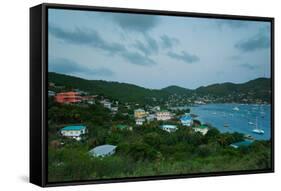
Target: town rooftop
<point>73,128</point>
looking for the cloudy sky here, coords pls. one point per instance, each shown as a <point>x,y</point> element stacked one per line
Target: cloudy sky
<point>157,51</point>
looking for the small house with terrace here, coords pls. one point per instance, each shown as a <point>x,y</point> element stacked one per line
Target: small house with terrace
<point>106,104</point>
<point>103,150</point>
<point>163,116</point>
<point>150,117</point>
<point>139,113</point>
<point>74,131</point>
<point>51,93</point>
<point>186,120</point>
<point>169,128</point>
<point>203,129</point>
<point>68,97</point>
<point>140,121</point>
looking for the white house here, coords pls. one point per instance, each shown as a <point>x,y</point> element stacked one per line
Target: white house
<point>74,131</point>
<point>139,113</point>
<point>106,104</point>
<point>150,117</point>
<point>163,115</point>
<point>202,129</point>
<point>169,128</point>
<point>51,93</point>
<point>140,121</point>
<point>114,109</point>
<point>103,150</point>
<point>186,120</point>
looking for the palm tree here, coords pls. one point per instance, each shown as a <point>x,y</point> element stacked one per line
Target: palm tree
<point>222,140</point>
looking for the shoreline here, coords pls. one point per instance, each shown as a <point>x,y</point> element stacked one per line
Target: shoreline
<point>237,121</point>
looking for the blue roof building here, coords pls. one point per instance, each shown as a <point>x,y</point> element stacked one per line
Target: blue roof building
<point>103,150</point>
<point>169,128</point>
<point>74,131</point>
<point>186,120</point>
<point>74,128</point>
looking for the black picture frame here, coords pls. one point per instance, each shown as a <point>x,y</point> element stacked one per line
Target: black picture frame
<point>39,84</point>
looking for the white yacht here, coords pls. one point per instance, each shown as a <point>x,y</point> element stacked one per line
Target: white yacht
<point>236,109</point>
<point>257,130</point>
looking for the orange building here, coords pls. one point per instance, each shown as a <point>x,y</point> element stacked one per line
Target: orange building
<point>68,97</point>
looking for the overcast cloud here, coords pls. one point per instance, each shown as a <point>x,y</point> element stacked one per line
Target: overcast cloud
<point>157,51</point>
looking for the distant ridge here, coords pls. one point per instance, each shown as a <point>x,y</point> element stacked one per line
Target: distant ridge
<point>255,89</point>
<point>177,90</point>
<point>114,90</point>
<point>260,87</point>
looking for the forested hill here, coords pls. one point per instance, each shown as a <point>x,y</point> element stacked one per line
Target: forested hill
<point>258,89</point>
<point>177,90</point>
<point>114,90</point>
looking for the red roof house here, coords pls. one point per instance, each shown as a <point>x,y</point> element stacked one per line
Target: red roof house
<point>68,97</point>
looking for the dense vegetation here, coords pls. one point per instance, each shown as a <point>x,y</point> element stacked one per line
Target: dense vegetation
<point>113,90</point>
<point>258,89</point>
<point>143,151</point>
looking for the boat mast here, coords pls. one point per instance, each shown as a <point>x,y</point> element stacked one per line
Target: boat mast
<point>257,123</point>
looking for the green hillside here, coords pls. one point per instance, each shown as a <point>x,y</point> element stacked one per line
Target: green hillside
<point>258,89</point>
<point>114,90</point>
<point>177,90</point>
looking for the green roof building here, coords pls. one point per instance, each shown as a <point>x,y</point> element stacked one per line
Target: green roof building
<point>202,129</point>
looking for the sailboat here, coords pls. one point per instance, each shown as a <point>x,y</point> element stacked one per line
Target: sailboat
<point>235,109</point>
<point>250,123</point>
<point>257,130</point>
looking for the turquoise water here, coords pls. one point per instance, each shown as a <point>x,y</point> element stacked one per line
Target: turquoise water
<point>238,117</point>
<point>241,143</point>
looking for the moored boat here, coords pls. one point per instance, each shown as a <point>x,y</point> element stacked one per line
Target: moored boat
<point>235,109</point>
<point>257,130</point>
<point>251,123</point>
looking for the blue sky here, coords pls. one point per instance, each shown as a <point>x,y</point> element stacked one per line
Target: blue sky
<point>157,51</point>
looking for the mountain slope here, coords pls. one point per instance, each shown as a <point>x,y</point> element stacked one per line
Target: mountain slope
<point>254,89</point>
<point>259,88</point>
<point>115,90</point>
<point>177,90</point>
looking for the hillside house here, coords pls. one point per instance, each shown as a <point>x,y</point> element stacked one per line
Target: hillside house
<point>106,104</point>
<point>163,116</point>
<point>151,117</point>
<point>51,93</point>
<point>139,113</point>
<point>89,99</point>
<point>114,109</point>
<point>140,121</point>
<point>169,128</point>
<point>103,150</point>
<point>68,97</point>
<point>186,120</point>
<point>74,131</point>
<point>202,129</point>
